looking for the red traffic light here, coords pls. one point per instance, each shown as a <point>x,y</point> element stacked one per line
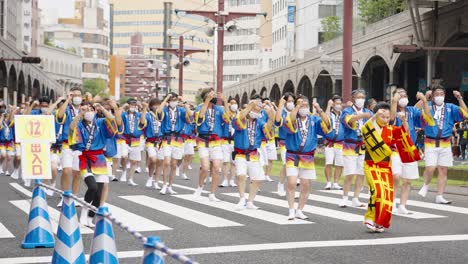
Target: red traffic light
<point>33,60</point>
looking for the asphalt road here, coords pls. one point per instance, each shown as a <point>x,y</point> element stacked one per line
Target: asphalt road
<point>434,234</point>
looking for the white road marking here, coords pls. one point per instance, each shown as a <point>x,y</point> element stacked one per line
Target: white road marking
<point>54,215</point>
<point>180,211</point>
<point>440,207</point>
<point>269,247</point>
<point>308,209</point>
<point>4,232</point>
<point>336,201</point>
<point>258,214</point>
<point>21,189</point>
<point>137,222</point>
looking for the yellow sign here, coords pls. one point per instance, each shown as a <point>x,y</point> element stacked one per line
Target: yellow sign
<point>35,161</point>
<point>34,128</point>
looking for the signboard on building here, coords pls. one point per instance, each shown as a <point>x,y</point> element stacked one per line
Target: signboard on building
<point>291,14</point>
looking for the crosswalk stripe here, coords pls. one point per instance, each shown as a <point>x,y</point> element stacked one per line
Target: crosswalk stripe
<point>21,189</point>
<point>336,201</point>
<point>440,207</point>
<point>139,223</point>
<point>25,206</point>
<point>258,214</point>
<point>180,211</point>
<point>308,208</point>
<point>4,232</point>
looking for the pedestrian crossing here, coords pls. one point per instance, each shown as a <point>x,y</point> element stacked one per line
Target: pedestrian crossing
<point>433,206</point>
<point>204,213</point>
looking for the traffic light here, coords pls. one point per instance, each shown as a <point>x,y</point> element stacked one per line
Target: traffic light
<point>33,60</point>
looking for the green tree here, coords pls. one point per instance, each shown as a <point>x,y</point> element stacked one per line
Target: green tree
<point>372,11</point>
<point>96,87</point>
<point>331,28</point>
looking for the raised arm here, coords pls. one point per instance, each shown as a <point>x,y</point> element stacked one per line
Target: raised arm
<point>424,105</point>
<point>356,117</point>
<point>394,107</point>
<point>279,112</point>
<point>63,108</point>
<point>243,114</point>
<point>324,116</point>
<point>54,105</point>
<point>461,102</point>
<point>117,112</point>
<point>163,104</point>
<point>208,98</point>
<point>77,119</point>
<point>404,121</point>
<point>29,108</point>
<point>329,106</point>
<point>295,110</point>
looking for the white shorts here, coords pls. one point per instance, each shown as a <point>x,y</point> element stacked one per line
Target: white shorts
<point>173,152</point>
<point>70,159</point>
<point>122,151</point>
<point>438,157</point>
<point>109,168</point>
<point>409,171</point>
<point>99,178</point>
<point>11,152</point>
<point>262,156</point>
<point>155,152</point>
<point>55,158</point>
<point>213,153</point>
<point>227,152</point>
<point>334,156</point>
<point>271,151</point>
<point>301,173</point>
<point>251,168</point>
<point>18,150</point>
<point>353,165</point>
<point>189,149</point>
<point>134,153</point>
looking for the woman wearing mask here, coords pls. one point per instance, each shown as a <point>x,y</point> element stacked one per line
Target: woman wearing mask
<point>250,130</point>
<point>407,171</point>
<point>228,168</point>
<point>301,142</point>
<point>437,146</point>
<point>353,118</point>
<point>334,144</point>
<point>153,134</point>
<point>289,99</point>
<point>89,134</point>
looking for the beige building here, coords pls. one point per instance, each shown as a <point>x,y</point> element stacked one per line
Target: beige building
<point>148,18</point>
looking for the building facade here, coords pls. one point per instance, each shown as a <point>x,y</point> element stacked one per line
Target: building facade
<point>87,34</point>
<point>62,65</point>
<point>116,76</point>
<point>160,27</point>
<point>245,50</point>
<point>20,81</point>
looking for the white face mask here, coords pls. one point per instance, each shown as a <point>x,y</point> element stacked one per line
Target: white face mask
<point>132,109</point>
<point>403,102</point>
<point>360,102</point>
<point>77,100</point>
<point>89,116</point>
<point>338,108</point>
<point>234,107</point>
<point>44,110</point>
<point>173,104</point>
<point>254,115</point>
<point>304,112</point>
<point>439,100</point>
<point>290,106</point>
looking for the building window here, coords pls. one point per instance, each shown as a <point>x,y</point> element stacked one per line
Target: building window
<point>327,10</point>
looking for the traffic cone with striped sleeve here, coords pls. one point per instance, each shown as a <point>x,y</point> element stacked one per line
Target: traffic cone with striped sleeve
<point>103,249</point>
<point>69,246</point>
<point>39,232</point>
<point>151,255</point>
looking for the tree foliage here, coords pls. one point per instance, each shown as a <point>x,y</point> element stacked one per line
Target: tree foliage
<point>372,11</point>
<point>331,28</point>
<point>96,87</point>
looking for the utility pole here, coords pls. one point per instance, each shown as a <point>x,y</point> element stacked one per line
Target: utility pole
<point>181,53</point>
<point>347,49</point>
<point>221,18</point>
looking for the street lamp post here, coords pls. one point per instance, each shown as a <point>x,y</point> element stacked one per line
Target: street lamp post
<point>181,53</point>
<point>221,18</point>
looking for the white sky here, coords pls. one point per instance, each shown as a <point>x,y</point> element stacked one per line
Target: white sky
<point>65,7</point>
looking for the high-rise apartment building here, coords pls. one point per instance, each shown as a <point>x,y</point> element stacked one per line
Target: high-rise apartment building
<point>86,33</point>
<point>245,47</point>
<point>160,27</point>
